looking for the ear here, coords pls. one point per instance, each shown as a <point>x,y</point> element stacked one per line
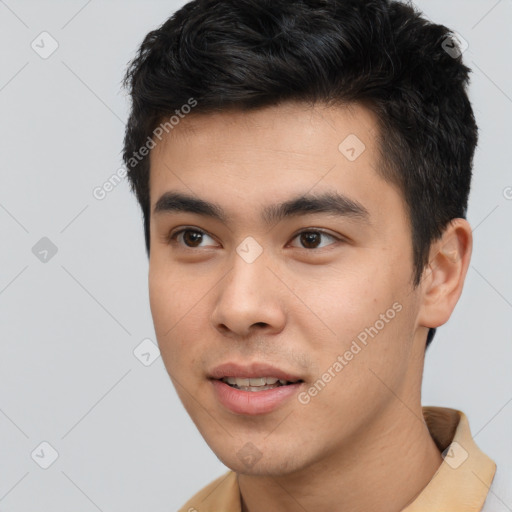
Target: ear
<point>443,278</point>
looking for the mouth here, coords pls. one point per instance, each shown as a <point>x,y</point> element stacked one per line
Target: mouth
<point>257,383</point>
<point>254,388</point>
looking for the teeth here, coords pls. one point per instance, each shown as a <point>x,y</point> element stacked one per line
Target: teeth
<point>253,382</point>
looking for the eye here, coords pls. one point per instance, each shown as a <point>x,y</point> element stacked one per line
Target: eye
<point>190,237</point>
<point>312,239</point>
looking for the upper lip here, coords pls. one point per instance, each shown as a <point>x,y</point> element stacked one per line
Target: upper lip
<point>252,370</point>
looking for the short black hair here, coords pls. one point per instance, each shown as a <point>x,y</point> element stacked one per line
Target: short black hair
<point>249,54</point>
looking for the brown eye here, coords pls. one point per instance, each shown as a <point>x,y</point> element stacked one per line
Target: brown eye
<point>313,239</point>
<point>310,239</point>
<point>191,238</point>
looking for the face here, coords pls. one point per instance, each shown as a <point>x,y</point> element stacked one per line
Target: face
<point>279,257</point>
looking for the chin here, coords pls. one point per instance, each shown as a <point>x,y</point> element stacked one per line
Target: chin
<point>251,461</point>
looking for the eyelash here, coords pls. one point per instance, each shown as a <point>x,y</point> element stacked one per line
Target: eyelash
<point>172,237</point>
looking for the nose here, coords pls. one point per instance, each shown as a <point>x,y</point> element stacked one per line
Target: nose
<point>249,300</point>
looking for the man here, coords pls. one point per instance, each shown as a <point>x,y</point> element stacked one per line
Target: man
<point>303,169</point>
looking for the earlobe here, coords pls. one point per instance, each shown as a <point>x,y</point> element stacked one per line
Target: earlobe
<point>444,277</point>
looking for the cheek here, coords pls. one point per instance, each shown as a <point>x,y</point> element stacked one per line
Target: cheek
<point>173,308</point>
<point>365,312</point>
<point>162,300</point>
<point>342,303</point>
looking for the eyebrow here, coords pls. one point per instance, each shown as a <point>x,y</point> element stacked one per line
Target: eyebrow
<point>329,202</point>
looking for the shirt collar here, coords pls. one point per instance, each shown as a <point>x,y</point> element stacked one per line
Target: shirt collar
<point>460,484</point>
<point>462,481</point>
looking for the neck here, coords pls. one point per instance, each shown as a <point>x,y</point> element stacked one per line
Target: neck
<point>385,467</point>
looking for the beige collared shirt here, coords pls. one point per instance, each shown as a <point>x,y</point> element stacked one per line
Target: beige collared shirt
<point>461,483</point>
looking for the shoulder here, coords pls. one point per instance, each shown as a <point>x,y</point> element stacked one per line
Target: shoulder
<point>499,498</point>
<point>220,494</point>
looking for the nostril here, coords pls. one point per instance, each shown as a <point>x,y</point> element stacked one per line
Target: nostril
<point>224,327</point>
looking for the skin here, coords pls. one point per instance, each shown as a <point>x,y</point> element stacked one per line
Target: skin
<point>361,443</point>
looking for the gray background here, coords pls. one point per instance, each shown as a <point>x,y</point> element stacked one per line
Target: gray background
<point>69,326</point>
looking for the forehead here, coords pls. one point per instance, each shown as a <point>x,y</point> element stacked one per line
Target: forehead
<point>244,159</point>
<point>292,127</point>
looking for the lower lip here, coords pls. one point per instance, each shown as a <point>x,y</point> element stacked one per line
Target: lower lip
<point>253,402</point>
